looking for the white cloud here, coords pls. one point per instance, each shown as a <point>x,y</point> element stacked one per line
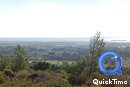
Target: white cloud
<point>61,20</point>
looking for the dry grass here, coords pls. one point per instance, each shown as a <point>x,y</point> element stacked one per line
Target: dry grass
<point>58,62</point>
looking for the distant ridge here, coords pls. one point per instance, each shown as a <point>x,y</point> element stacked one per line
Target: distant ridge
<point>45,39</point>
<point>108,39</point>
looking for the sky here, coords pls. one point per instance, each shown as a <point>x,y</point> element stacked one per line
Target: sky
<point>64,18</point>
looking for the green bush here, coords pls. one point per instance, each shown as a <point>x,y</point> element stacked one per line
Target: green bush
<point>41,66</point>
<point>63,73</point>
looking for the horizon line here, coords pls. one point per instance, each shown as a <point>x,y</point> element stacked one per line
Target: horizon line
<point>53,37</point>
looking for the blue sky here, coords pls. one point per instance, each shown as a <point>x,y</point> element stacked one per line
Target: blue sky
<point>64,18</point>
<point>12,4</point>
<point>19,2</point>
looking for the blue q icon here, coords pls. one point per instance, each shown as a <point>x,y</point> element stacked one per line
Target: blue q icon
<point>117,69</point>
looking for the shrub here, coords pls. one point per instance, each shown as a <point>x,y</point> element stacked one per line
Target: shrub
<point>33,77</point>
<point>8,72</point>
<point>63,73</point>
<point>16,83</point>
<point>57,83</point>
<point>41,66</point>
<point>22,75</point>
<point>2,79</point>
<point>76,80</point>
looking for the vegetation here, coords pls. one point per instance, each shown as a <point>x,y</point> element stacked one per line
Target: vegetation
<point>16,71</point>
<point>19,59</point>
<point>96,48</point>
<point>41,66</point>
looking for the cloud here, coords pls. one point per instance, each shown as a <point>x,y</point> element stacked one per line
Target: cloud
<point>51,19</point>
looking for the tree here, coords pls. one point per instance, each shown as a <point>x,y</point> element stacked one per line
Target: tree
<point>96,48</point>
<point>19,59</point>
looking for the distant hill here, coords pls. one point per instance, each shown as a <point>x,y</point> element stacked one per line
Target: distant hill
<point>109,39</point>
<point>45,39</point>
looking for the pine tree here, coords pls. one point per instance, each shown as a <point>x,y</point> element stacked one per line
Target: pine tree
<point>96,48</point>
<point>19,59</point>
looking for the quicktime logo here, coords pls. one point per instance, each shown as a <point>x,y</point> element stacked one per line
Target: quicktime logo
<point>117,69</point>
<point>110,81</point>
<point>116,58</point>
